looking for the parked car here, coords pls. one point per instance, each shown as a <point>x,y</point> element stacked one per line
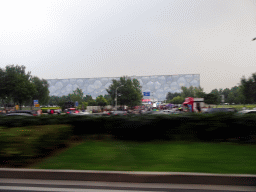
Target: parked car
<point>71,111</point>
<point>218,110</point>
<point>106,113</point>
<point>80,113</point>
<point>158,112</point>
<point>119,113</point>
<point>248,111</point>
<point>53,111</point>
<point>19,114</point>
<point>22,112</point>
<point>173,111</point>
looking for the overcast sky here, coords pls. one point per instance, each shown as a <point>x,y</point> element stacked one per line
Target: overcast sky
<point>112,38</point>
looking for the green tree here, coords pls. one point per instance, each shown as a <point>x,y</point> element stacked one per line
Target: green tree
<point>240,97</point>
<point>211,99</point>
<point>92,102</point>
<point>62,101</point>
<point>187,92</point>
<point>170,95</point>
<point>199,92</point>
<point>226,93</point>
<point>128,92</point>
<point>217,97</point>
<point>24,91</point>
<point>235,95</point>
<point>18,85</point>
<point>109,100</point>
<point>87,98</point>
<point>231,98</point>
<point>84,105</point>
<point>53,100</point>
<point>101,101</point>
<point>196,92</point>
<point>248,88</point>
<point>42,92</point>
<point>77,95</point>
<point>177,100</point>
<point>3,93</point>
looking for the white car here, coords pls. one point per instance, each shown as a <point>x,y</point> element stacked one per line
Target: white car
<point>81,113</point>
<point>247,111</point>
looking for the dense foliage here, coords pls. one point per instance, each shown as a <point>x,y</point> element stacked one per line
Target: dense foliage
<point>83,101</point>
<point>23,139</point>
<point>127,91</point>
<point>245,93</point>
<point>19,87</point>
<point>22,145</point>
<point>207,127</point>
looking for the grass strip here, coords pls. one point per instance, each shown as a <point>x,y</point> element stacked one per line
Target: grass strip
<point>156,156</point>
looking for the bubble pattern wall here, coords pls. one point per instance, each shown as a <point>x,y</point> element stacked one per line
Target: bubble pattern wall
<point>158,86</point>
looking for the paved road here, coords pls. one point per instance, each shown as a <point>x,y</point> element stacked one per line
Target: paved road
<point>20,185</point>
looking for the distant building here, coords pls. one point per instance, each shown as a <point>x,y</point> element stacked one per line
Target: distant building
<point>158,85</point>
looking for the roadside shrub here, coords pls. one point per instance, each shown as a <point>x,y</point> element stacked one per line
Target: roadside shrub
<point>22,144</point>
<point>52,138</point>
<point>197,127</point>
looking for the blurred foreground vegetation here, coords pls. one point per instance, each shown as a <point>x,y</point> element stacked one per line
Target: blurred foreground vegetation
<point>23,139</point>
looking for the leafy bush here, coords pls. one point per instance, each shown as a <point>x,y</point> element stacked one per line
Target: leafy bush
<point>22,144</point>
<point>204,127</point>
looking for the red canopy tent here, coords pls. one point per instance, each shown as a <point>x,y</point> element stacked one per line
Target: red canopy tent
<point>194,103</point>
<point>189,101</point>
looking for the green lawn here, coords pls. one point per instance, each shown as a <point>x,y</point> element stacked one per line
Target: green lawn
<point>155,156</point>
<point>237,107</point>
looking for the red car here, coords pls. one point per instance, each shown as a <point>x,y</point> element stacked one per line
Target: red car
<point>53,111</point>
<point>72,110</point>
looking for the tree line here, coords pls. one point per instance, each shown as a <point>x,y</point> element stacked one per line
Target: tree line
<point>20,88</point>
<point>77,96</point>
<point>244,93</point>
<point>127,91</point>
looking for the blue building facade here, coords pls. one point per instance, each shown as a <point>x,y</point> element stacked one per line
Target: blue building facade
<point>158,86</point>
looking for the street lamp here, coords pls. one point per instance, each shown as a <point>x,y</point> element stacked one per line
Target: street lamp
<point>116,95</point>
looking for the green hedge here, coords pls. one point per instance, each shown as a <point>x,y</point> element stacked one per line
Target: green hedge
<point>202,127</point>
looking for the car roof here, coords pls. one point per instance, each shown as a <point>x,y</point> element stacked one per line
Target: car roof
<point>22,111</point>
<point>248,111</point>
<point>23,114</point>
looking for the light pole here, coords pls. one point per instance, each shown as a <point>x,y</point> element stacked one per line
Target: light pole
<point>116,95</point>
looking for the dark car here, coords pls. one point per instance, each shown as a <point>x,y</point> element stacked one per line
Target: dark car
<point>19,114</point>
<point>119,113</point>
<point>219,110</point>
<point>22,113</point>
